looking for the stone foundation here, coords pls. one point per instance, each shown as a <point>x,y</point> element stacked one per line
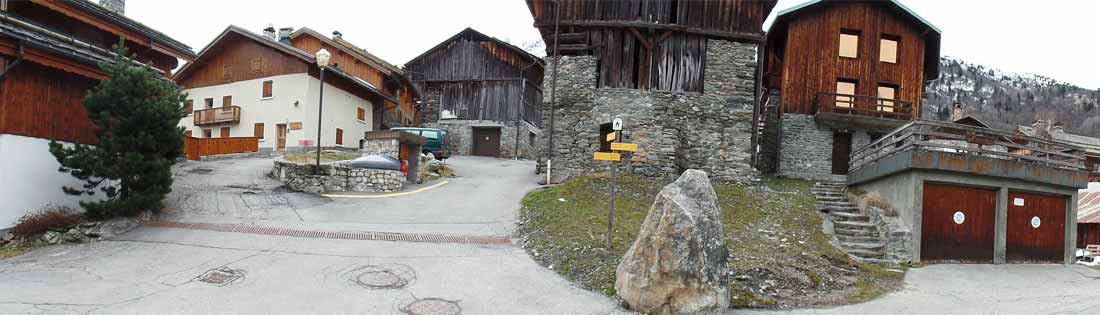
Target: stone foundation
<point>675,131</point>
<point>460,136</point>
<point>894,233</point>
<point>806,148</point>
<point>336,177</point>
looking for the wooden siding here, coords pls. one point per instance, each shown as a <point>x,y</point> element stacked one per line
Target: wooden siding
<point>196,148</point>
<point>341,59</point>
<point>727,16</point>
<point>464,59</point>
<point>664,61</point>
<point>42,102</point>
<point>239,53</point>
<point>1088,234</point>
<point>811,63</point>
<point>489,100</point>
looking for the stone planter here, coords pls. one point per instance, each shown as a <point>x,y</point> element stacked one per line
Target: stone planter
<point>336,177</point>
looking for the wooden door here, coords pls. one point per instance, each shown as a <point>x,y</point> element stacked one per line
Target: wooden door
<point>842,149</point>
<point>486,141</point>
<point>957,224</point>
<point>225,132</point>
<point>1036,228</point>
<point>280,142</point>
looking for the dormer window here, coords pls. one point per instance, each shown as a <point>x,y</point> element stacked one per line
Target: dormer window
<point>888,49</point>
<point>849,43</point>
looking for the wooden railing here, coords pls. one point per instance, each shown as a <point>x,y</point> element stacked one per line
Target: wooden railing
<point>209,116</point>
<point>970,140</point>
<point>864,106</point>
<point>196,148</point>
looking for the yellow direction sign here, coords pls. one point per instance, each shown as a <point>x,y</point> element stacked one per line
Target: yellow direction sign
<point>628,147</point>
<point>611,137</point>
<point>607,156</point>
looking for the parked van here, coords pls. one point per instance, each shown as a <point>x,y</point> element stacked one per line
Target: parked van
<point>437,139</point>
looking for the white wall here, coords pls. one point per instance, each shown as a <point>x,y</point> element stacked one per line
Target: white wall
<point>280,108</point>
<point>29,179</point>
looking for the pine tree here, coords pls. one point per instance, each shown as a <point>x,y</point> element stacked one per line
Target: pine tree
<point>136,112</point>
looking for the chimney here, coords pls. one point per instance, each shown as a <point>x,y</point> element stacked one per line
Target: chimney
<point>1041,128</point>
<point>284,35</point>
<point>118,6</point>
<point>956,111</point>
<point>337,35</point>
<point>269,32</point>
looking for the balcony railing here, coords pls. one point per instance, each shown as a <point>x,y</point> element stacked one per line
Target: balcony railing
<point>864,106</point>
<point>969,140</point>
<point>210,116</point>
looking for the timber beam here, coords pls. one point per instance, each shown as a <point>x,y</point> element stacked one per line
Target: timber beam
<point>737,36</point>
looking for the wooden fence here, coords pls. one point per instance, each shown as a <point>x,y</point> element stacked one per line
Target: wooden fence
<point>196,148</point>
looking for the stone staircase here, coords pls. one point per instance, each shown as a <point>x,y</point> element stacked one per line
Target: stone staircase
<point>857,235</point>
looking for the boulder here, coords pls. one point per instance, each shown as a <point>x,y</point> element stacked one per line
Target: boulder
<point>52,237</point>
<point>434,165</point>
<point>74,236</point>
<point>678,264</point>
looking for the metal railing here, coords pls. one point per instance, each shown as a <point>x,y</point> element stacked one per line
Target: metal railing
<point>864,106</point>
<point>970,140</point>
<point>209,116</point>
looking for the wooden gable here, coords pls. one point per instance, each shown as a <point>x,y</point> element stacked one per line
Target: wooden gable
<point>236,58</point>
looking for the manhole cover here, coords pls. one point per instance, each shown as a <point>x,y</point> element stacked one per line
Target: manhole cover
<point>432,306</point>
<point>384,276</point>
<point>200,171</point>
<point>221,276</point>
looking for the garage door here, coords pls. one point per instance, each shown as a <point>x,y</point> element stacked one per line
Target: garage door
<point>957,224</point>
<point>1036,228</point>
<point>486,141</point>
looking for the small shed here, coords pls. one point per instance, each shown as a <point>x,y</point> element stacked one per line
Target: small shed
<point>1088,219</point>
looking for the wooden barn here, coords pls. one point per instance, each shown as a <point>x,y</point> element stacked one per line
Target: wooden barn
<point>838,74</point>
<point>1088,219</point>
<point>679,73</point>
<point>49,56</point>
<point>485,92</point>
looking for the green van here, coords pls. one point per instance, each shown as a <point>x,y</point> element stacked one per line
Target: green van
<point>437,139</point>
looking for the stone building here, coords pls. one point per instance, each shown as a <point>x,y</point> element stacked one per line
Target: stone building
<point>681,75</point>
<point>837,75</point>
<point>484,92</point>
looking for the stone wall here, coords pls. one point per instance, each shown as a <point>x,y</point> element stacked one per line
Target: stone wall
<point>460,136</point>
<point>675,131</point>
<point>894,233</point>
<point>386,147</point>
<point>336,177</point>
<point>806,148</point>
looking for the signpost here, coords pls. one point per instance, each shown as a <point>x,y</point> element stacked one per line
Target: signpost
<point>614,158</point>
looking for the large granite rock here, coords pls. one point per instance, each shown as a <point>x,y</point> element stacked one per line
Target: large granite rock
<point>677,264</point>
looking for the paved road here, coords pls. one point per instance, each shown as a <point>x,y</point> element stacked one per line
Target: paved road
<point>157,270</point>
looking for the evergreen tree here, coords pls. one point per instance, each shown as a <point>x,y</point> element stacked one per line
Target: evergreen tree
<point>136,112</point>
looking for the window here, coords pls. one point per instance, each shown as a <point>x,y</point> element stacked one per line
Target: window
<point>339,136</point>
<point>257,65</point>
<point>886,94</point>
<point>188,107</point>
<point>225,132</point>
<point>430,134</point>
<point>227,72</point>
<point>531,138</point>
<point>845,90</point>
<point>209,103</point>
<point>206,133</point>
<point>258,131</point>
<point>227,101</point>
<point>849,43</point>
<point>361,114</point>
<point>267,89</point>
<point>888,49</point>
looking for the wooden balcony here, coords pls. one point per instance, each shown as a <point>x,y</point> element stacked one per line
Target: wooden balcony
<point>864,106</point>
<point>221,115</point>
<point>943,146</point>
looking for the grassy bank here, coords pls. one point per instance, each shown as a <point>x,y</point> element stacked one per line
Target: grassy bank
<point>778,255</point>
<point>326,156</point>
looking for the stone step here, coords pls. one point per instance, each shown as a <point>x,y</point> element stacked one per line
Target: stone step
<point>866,246</point>
<point>858,233</point>
<point>831,198</point>
<point>836,204</point>
<point>853,225</point>
<point>863,253</point>
<point>833,209</point>
<point>830,184</point>
<point>850,217</point>
<point>827,193</point>
<point>858,239</point>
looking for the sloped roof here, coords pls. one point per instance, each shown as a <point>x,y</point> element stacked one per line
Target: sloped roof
<point>359,53</point>
<point>1088,207</point>
<point>470,33</point>
<point>133,25</point>
<point>1090,144</point>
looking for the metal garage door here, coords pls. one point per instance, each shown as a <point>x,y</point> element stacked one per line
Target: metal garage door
<point>1036,228</point>
<point>957,224</point>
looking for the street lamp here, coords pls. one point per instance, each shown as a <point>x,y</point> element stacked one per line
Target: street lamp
<point>322,63</point>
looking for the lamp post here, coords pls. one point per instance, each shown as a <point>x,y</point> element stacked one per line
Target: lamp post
<point>322,63</point>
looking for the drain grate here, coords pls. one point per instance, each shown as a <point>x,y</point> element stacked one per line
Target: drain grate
<point>432,306</point>
<point>221,276</point>
<point>383,276</point>
<point>348,235</point>
<point>200,171</point>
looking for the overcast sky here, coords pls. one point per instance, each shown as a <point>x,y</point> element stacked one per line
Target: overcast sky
<point>1056,38</point>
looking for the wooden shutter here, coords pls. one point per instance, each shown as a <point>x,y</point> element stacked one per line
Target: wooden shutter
<point>227,72</point>
<point>257,65</point>
<point>225,132</point>
<point>339,136</point>
<point>258,132</point>
<point>361,114</point>
<point>267,88</point>
<point>227,101</point>
<point>188,107</point>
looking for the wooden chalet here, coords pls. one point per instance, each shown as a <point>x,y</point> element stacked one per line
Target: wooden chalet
<point>399,104</point>
<point>647,44</point>
<point>49,58</point>
<point>483,88</point>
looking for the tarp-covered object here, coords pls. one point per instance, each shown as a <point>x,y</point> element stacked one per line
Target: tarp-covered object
<point>379,162</point>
